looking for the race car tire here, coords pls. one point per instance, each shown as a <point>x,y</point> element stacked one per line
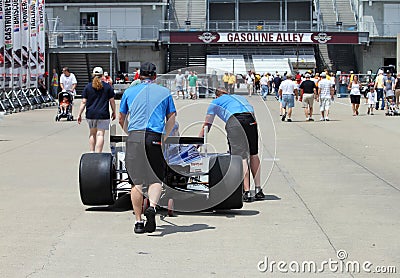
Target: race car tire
<point>96,179</point>
<point>226,182</point>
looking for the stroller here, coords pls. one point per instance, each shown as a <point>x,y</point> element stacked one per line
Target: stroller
<point>64,106</point>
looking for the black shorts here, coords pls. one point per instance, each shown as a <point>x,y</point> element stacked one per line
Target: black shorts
<point>144,159</point>
<point>242,135</point>
<point>355,99</point>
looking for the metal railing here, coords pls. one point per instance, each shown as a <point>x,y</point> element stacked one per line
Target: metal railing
<point>259,25</point>
<point>82,38</point>
<point>379,29</point>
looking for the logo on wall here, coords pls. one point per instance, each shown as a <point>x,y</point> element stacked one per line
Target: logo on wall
<point>322,38</point>
<point>207,37</point>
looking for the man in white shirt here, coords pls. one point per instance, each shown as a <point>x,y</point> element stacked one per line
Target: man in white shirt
<point>179,82</point>
<point>250,82</point>
<point>264,86</point>
<point>325,96</point>
<point>287,92</point>
<point>68,83</point>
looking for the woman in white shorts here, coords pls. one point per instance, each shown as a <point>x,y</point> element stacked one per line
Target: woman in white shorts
<point>96,98</point>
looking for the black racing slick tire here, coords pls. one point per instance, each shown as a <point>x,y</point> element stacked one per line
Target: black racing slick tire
<point>96,179</point>
<point>226,182</point>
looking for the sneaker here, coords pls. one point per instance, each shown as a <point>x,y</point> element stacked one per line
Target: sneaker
<point>150,214</point>
<point>368,112</point>
<point>289,120</point>
<point>322,119</point>
<point>307,119</point>
<point>372,113</point>
<point>283,117</point>
<point>327,119</point>
<point>247,197</point>
<point>139,228</point>
<point>311,119</point>
<point>259,195</point>
<point>177,96</point>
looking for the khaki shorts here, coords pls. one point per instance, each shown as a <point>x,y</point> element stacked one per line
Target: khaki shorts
<point>308,100</point>
<point>99,124</point>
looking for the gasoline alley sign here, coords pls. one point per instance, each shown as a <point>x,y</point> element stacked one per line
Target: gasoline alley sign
<point>265,38</point>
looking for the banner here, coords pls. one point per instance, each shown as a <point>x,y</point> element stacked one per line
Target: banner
<point>8,43</point>
<point>17,62</point>
<point>2,69</point>
<point>33,43</point>
<point>24,42</point>
<point>41,37</point>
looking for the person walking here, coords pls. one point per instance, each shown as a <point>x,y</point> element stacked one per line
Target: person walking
<point>378,86</point>
<point>325,96</point>
<point>151,112</point>
<point>225,79</point>
<point>193,84</point>
<point>231,83</point>
<point>250,82</point>
<point>397,90</point>
<point>242,134</point>
<point>388,89</point>
<point>68,83</point>
<point>371,98</point>
<point>309,92</point>
<point>355,94</point>
<point>97,96</point>
<point>179,84</point>
<point>264,86</point>
<point>287,93</point>
<point>54,84</point>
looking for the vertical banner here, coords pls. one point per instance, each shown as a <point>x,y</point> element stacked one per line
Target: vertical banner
<point>16,53</point>
<point>2,69</point>
<point>33,44</point>
<point>8,43</point>
<point>41,37</point>
<point>24,42</point>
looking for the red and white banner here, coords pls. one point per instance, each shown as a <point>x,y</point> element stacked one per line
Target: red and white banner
<point>33,43</point>
<point>16,53</point>
<point>8,42</point>
<point>24,41</point>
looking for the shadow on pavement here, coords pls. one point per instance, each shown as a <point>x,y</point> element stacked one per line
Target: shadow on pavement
<point>174,229</point>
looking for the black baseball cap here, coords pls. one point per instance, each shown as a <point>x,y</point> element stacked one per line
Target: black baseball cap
<point>147,69</point>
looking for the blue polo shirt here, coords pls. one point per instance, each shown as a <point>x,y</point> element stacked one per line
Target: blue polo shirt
<point>148,104</point>
<point>227,105</point>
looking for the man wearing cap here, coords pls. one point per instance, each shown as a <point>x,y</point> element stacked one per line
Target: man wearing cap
<point>106,78</point>
<point>309,94</point>
<point>287,93</point>
<point>96,98</point>
<point>242,133</point>
<point>147,111</point>
<point>325,95</point>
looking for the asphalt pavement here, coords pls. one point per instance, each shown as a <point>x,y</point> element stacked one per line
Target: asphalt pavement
<point>333,199</point>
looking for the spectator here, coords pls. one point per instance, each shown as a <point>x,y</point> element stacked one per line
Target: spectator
<point>179,84</point>
<point>68,81</point>
<point>250,82</point>
<point>378,86</point>
<point>96,98</point>
<point>225,79</point>
<point>42,84</point>
<point>287,93</point>
<point>325,96</point>
<point>106,78</point>
<point>242,133</point>
<point>54,84</point>
<point>137,74</point>
<point>397,90</point>
<point>371,97</point>
<point>355,95</point>
<point>231,83</point>
<point>148,105</point>
<point>388,82</point>
<point>264,86</point>
<point>192,80</point>
<point>309,92</point>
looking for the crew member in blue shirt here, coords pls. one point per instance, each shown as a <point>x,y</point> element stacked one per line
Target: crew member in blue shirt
<point>150,113</point>
<point>241,129</point>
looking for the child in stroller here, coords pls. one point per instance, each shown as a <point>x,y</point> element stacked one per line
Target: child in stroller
<point>64,106</point>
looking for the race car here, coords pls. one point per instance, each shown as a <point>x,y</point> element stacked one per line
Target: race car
<point>195,181</point>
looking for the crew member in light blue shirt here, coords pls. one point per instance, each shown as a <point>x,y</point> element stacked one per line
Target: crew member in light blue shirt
<point>150,113</point>
<point>242,133</point>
